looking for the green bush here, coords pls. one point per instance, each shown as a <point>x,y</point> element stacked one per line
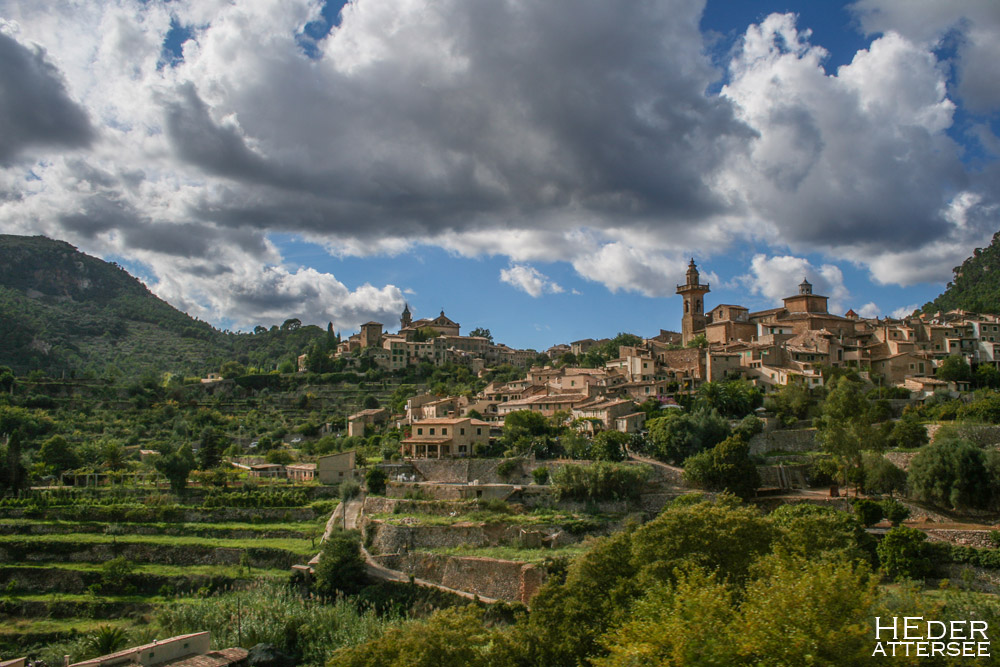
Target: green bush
<point>725,467</point>
<point>540,475</point>
<point>349,489</point>
<point>507,467</point>
<point>904,554</point>
<point>895,511</point>
<point>375,479</point>
<point>341,569</point>
<point>868,511</point>
<point>600,481</point>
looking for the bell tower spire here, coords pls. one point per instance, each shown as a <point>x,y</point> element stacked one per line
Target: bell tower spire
<point>693,291</point>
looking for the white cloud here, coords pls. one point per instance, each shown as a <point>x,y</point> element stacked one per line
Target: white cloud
<point>778,277</point>
<point>567,130</point>
<point>530,280</point>
<point>856,163</point>
<point>870,310</point>
<point>904,311</point>
<point>972,25</point>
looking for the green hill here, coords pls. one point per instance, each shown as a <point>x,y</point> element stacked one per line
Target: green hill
<point>65,312</point>
<point>976,285</point>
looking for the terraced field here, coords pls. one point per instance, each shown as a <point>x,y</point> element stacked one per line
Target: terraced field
<point>61,577</point>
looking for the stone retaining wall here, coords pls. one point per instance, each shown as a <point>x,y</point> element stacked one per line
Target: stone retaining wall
<point>792,476</point>
<point>144,553</point>
<point>513,581</point>
<point>900,459</point>
<point>796,440</point>
<point>970,538</point>
<point>387,538</point>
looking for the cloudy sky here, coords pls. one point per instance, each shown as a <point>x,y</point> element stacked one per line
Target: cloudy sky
<point>543,168</point>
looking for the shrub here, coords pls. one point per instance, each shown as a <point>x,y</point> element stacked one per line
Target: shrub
<point>895,511</point>
<point>507,467</point>
<point>600,481</point>
<point>341,569</point>
<point>725,467</point>
<point>905,554</point>
<point>540,475</point>
<point>375,480</point>
<point>349,489</point>
<point>823,471</point>
<point>868,511</point>
<point>951,473</point>
<point>882,476</point>
<point>609,446</point>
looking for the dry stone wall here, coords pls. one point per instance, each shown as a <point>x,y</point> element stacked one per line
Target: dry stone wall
<point>387,538</point>
<point>489,577</point>
<point>795,440</point>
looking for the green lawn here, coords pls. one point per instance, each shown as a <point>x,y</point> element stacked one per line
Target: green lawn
<point>194,529</point>
<point>230,571</point>
<point>296,546</point>
<point>512,553</point>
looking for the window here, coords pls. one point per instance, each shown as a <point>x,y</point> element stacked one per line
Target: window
<point>444,431</point>
<point>432,431</point>
<point>420,431</point>
<point>479,431</point>
<point>461,431</point>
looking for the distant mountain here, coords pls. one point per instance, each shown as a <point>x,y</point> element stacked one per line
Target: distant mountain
<point>65,312</point>
<point>976,285</point>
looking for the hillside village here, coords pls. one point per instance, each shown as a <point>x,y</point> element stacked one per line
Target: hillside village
<point>435,470</point>
<point>788,345</point>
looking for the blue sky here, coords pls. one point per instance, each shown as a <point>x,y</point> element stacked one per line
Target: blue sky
<point>542,169</point>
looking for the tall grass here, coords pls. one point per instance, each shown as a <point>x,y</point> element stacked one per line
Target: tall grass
<point>274,613</point>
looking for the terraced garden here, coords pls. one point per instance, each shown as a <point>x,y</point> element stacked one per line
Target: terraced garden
<point>63,576</point>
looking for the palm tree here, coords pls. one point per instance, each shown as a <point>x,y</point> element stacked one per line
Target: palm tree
<point>107,639</point>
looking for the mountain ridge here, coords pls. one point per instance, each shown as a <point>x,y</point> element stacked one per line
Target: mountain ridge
<point>975,285</point>
<point>65,312</point>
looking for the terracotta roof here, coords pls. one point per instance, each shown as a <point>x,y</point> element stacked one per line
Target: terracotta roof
<point>227,656</point>
<point>426,441</point>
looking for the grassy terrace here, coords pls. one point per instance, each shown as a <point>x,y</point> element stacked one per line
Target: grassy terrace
<point>158,569</point>
<point>12,628</point>
<point>300,529</point>
<point>538,517</point>
<point>512,553</point>
<point>286,544</point>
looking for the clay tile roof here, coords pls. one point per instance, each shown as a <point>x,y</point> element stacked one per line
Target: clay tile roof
<point>220,658</point>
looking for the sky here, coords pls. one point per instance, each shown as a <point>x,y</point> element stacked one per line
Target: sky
<point>542,168</point>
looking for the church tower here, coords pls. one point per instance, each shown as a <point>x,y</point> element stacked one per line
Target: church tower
<point>406,320</point>
<point>694,293</point>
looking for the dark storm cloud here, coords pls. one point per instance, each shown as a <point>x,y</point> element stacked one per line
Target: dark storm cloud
<point>101,214</point>
<point>201,142</point>
<point>35,109</point>
<point>191,239</point>
<point>522,111</point>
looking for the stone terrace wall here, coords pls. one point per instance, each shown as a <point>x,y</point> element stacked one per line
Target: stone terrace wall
<point>490,577</point>
<point>900,459</point>
<point>386,538</point>
<point>797,440</point>
<point>969,538</point>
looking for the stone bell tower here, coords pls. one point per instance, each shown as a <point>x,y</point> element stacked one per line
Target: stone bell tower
<point>693,321</point>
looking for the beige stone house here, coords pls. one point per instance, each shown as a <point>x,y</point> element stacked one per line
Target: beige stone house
<point>444,438</point>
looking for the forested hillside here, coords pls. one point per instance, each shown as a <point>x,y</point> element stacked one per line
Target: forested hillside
<point>65,312</point>
<point>976,285</point>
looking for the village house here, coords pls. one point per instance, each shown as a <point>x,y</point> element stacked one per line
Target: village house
<point>357,422</point>
<point>335,468</point>
<point>445,438</point>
